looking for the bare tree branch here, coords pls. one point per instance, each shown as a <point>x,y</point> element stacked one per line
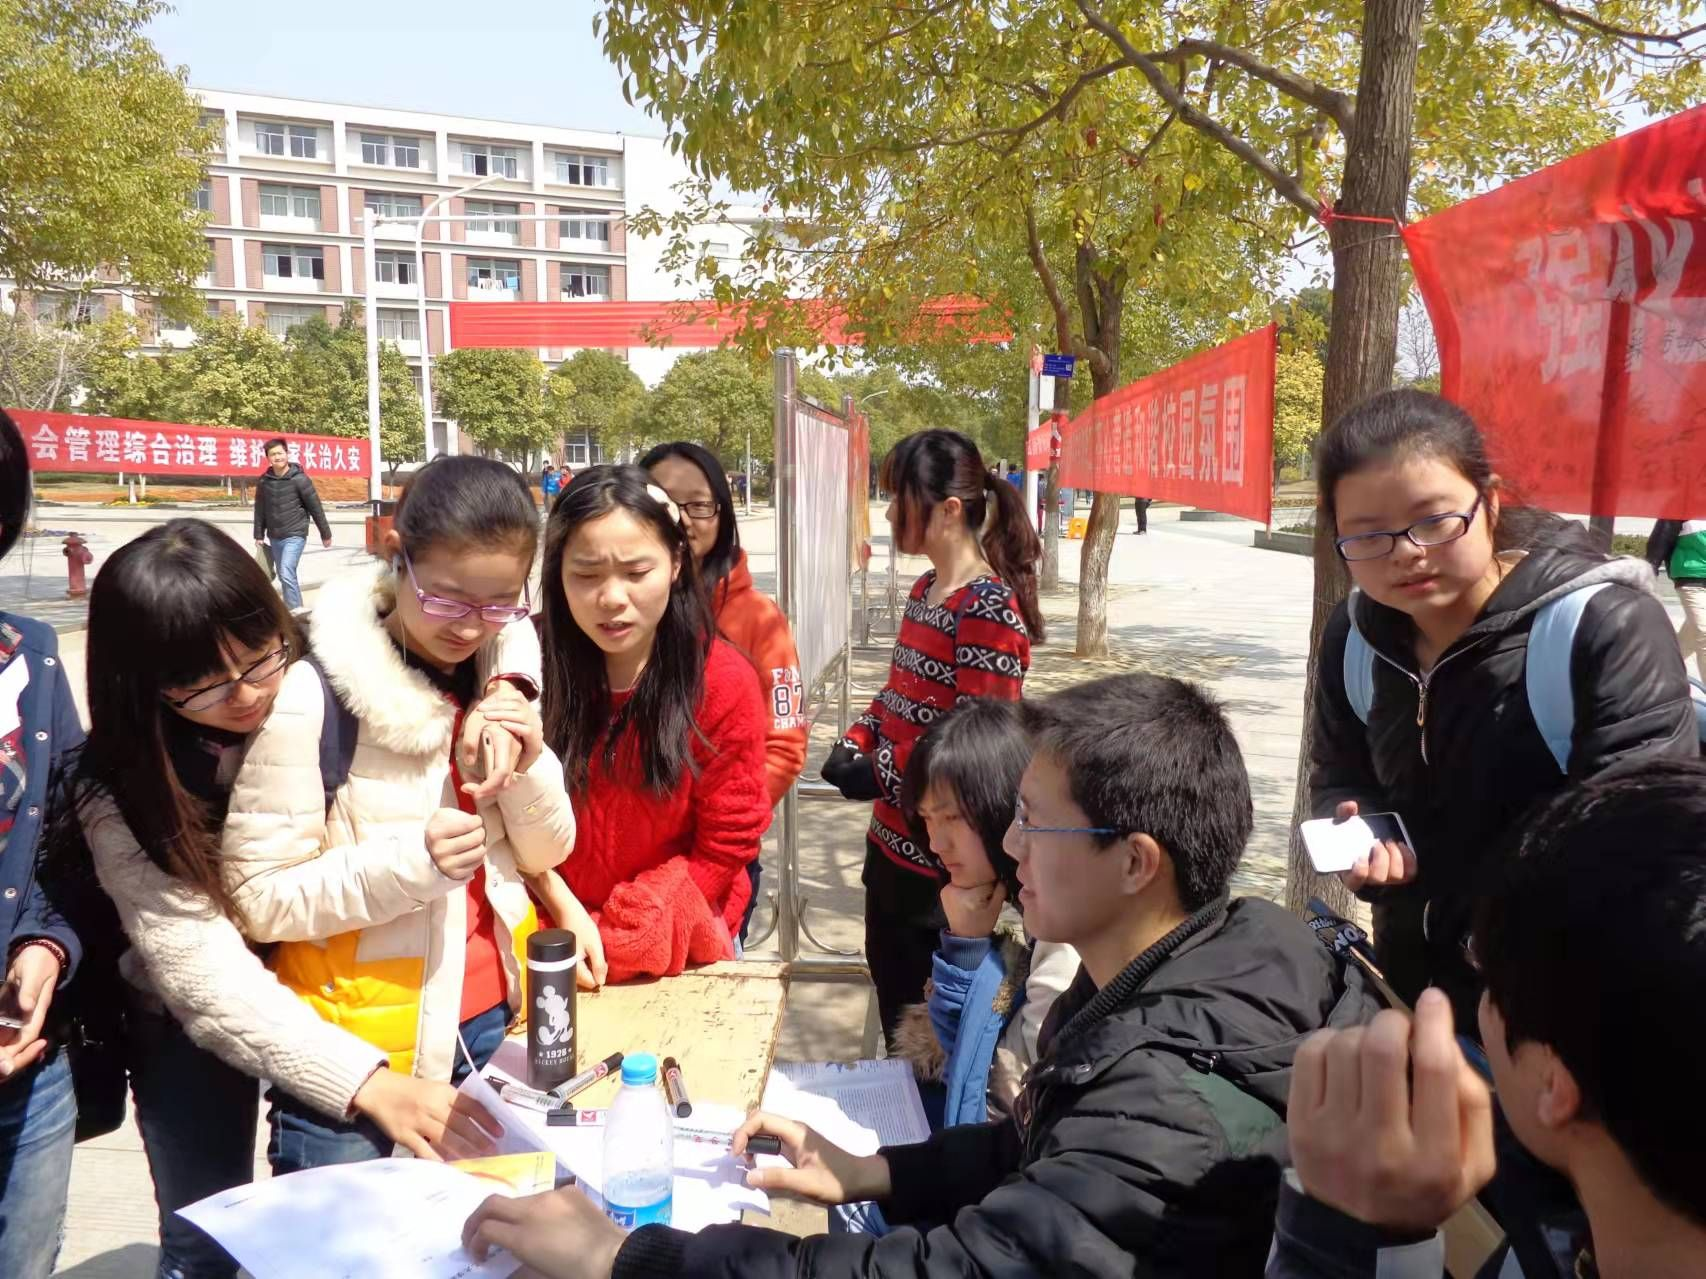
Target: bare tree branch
<point>1567,14</point>
<point>1340,106</point>
<point>1051,287</point>
<point>1283,183</point>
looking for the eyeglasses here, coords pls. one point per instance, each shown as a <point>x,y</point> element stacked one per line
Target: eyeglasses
<point>1025,828</point>
<point>451,610</point>
<point>1436,530</point>
<point>259,672</point>
<point>699,510</point>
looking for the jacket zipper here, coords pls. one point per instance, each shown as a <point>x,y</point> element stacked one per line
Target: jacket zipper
<point>1422,683</point>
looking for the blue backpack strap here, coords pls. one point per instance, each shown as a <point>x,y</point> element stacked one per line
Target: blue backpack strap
<point>1358,666</point>
<point>338,731</point>
<point>1551,698</point>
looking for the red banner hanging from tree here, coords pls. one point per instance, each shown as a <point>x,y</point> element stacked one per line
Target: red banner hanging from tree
<point>1201,432</point>
<point>1570,310</point>
<point>80,443</point>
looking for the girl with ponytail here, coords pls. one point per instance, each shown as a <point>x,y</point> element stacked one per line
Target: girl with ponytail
<point>967,632</point>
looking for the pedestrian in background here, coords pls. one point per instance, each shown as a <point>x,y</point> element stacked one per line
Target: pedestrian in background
<point>285,500</point>
<point>550,484</point>
<point>1141,504</point>
<point>1678,547</point>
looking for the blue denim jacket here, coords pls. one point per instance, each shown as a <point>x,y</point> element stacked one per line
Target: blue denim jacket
<point>51,729</point>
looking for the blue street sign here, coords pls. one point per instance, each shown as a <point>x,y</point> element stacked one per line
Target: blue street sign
<point>1058,365</point>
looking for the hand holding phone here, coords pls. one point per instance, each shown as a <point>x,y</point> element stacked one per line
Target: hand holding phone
<point>1364,851</point>
<point>24,1001</point>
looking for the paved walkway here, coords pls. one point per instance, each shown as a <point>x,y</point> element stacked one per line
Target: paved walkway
<point>1193,600</point>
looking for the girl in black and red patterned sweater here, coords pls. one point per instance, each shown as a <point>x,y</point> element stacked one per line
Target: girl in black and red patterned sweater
<point>967,633</point>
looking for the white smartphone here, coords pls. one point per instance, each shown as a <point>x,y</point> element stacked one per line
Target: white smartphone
<point>1338,845</point>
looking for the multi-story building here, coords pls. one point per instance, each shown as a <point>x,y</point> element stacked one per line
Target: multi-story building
<point>288,193</point>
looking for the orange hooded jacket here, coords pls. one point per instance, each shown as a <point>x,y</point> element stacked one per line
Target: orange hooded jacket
<point>751,621</point>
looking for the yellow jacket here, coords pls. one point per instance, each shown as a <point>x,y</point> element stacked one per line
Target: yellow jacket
<point>372,933</point>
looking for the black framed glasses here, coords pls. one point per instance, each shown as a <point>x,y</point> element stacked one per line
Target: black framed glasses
<point>211,695</point>
<point>453,610</point>
<point>699,510</point>
<point>1436,530</point>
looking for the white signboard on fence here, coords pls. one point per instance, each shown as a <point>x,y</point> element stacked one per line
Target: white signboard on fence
<point>821,597</point>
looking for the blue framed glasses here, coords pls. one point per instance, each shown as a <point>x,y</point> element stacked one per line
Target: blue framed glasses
<point>1025,828</point>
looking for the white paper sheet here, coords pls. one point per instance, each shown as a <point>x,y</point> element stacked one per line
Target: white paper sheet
<point>710,1184</point>
<point>14,678</point>
<point>858,1105</point>
<point>380,1219</point>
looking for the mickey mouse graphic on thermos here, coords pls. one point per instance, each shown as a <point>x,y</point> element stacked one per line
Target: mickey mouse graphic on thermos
<point>552,959</point>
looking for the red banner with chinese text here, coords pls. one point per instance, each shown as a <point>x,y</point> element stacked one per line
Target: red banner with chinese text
<point>611,325</point>
<point>1570,310</point>
<point>1201,432</point>
<point>80,443</point>
<point>1038,446</point>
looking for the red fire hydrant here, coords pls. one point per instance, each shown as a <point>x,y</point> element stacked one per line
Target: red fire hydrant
<point>77,555</point>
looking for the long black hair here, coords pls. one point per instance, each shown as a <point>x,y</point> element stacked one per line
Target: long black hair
<point>659,716</point>
<point>162,612</point>
<point>14,483</point>
<point>1406,423</point>
<point>726,549</point>
<point>926,469</point>
<point>465,502</point>
<point>977,751</point>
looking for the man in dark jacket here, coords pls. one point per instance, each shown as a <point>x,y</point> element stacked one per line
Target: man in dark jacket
<point>1149,1136</point>
<point>1595,1045</point>
<point>285,500</point>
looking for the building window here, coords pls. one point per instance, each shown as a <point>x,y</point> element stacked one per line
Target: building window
<point>583,170</point>
<point>214,120</point>
<point>415,377</point>
<point>293,261</point>
<point>486,210</point>
<point>290,202</point>
<point>269,138</point>
<point>490,274</point>
<point>203,198</point>
<point>482,160</point>
<point>399,326</point>
<point>390,150</point>
<point>390,204</point>
<point>304,141</point>
<point>594,228</point>
<point>716,248</point>
<point>208,271</point>
<point>394,266</point>
<point>585,282</point>
<point>68,308</point>
<point>282,317</point>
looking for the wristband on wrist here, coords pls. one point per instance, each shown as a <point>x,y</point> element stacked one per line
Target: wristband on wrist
<point>47,943</point>
<point>522,684</point>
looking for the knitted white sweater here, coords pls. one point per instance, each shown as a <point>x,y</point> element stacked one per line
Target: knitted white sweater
<point>202,969</point>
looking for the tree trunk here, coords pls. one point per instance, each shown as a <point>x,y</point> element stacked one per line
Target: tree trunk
<point>1362,343</point>
<point>1101,299</point>
<point>1093,575</point>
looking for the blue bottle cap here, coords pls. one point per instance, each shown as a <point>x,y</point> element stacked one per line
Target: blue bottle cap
<point>639,1068</point>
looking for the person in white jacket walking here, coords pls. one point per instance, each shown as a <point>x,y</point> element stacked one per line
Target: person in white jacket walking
<point>411,943</point>
<point>188,647</point>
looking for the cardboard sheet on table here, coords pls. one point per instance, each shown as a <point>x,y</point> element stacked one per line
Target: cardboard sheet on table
<point>379,1219</point>
<point>710,1184</point>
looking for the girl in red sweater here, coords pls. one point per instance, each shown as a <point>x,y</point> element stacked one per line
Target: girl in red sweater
<point>744,616</point>
<point>659,723</point>
<point>967,632</point>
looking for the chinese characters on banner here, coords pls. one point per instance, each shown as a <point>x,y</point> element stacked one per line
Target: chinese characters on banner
<point>1570,310</point>
<point>1201,432</point>
<point>74,442</point>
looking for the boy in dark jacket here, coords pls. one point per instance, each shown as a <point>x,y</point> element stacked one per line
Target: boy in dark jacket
<point>1149,1136</point>
<point>1594,956</point>
<point>285,500</point>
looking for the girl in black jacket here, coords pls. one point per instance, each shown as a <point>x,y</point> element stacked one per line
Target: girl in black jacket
<point>1448,585</point>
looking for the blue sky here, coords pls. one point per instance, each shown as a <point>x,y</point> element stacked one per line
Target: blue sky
<point>522,60</point>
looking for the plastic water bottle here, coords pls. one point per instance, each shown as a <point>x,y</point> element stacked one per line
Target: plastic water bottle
<point>639,1149</point>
